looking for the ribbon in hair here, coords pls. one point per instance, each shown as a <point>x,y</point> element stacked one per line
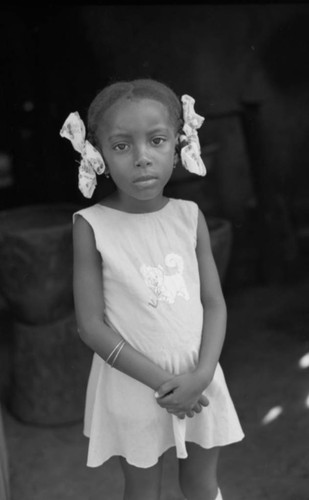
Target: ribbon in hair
<point>191,152</point>
<point>91,162</point>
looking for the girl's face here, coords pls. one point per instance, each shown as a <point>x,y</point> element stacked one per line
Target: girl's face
<point>138,144</point>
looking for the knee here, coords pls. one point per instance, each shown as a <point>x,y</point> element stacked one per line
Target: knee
<point>142,484</point>
<point>141,493</point>
<point>199,488</point>
<point>142,490</point>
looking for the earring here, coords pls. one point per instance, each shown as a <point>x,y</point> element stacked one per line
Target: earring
<point>107,175</point>
<point>176,159</point>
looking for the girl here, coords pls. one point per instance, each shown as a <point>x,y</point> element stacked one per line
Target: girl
<point>147,295</point>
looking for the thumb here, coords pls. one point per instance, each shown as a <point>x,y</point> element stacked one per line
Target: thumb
<point>165,388</point>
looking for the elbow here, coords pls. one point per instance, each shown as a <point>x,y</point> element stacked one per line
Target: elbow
<point>216,304</point>
<point>222,306</point>
<point>86,329</point>
<point>84,334</point>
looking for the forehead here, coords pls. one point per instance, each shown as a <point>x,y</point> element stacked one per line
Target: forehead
<point>134,113</point>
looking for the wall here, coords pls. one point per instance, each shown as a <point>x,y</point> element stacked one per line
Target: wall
<point>221,55</point>
<point>226,56</point>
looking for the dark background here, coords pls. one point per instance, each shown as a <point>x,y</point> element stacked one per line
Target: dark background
<point>247,66</point>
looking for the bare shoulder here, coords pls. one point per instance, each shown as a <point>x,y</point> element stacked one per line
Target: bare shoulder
<point>87,275</point>
<point>83,237</point>
<point>81,227</point>
<point>203,238</point>
<point>210,281</point>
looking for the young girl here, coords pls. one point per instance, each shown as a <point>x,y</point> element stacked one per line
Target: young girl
<point>147,295</point>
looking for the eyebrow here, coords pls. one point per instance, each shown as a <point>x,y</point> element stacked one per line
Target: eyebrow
<point>116,136</point>
<point>156,130</point>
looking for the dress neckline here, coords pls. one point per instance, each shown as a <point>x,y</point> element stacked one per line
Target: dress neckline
<point>160,210</point>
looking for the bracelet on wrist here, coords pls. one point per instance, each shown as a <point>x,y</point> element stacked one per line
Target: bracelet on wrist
<point>115,353</point>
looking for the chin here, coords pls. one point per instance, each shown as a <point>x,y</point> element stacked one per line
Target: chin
<point>147,196</point>
<point>146,193</point>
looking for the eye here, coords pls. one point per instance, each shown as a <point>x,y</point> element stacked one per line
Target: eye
<point>158,140</point>
<point>120,147</point>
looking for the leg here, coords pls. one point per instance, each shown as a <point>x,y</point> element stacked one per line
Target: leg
<point>198,473</point>
<point>142,484</point>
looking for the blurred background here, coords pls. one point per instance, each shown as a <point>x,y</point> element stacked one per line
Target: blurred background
<point>247,66</point>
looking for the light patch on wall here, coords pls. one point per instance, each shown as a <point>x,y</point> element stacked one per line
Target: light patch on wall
<point>28,106</point>
<point>272,414</point>
<point>304,361</point>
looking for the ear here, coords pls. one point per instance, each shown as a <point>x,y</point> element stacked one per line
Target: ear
<point>177,150</point>
<point>106,171</point>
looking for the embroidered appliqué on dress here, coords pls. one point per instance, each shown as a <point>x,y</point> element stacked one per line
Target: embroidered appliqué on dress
<point>165,286</point>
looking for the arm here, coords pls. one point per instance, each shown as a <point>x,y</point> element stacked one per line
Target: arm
<point>187,387</point>
<point>89,307</point>
<point>215,314</point>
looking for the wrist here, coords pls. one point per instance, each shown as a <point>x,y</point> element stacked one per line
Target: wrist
<point>203,377</point>
<point>162,378</point>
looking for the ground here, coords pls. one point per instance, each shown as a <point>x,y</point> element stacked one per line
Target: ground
<point>267,337</point>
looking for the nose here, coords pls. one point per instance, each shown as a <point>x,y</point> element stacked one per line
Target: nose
<point>142,158</point>
<point>143,161</point>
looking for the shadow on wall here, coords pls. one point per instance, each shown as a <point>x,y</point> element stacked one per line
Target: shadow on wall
<point>207,51</point>
<point>219,55</point>
<point>284,55</point>
<point>276,128</point>
<point>225,56</point>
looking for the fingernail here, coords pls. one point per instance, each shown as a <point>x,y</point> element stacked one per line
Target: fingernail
<point>156,394</point>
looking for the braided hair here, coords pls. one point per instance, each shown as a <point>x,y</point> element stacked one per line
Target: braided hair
<point>134,89</point>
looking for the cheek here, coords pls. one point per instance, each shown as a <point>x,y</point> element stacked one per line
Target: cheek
<point>118,169</point>
<point>172,153</point>
<point>111,161</point>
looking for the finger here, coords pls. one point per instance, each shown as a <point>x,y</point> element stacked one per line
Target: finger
<point>197,408</point>
<point>166,402</point>
<point>164,389</point>
<point>180,415</point>
<point>177,411</point>
<point>203,400</point>
<point>190,414</point>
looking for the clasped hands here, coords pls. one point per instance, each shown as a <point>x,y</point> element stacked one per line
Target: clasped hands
<point>182,395</point>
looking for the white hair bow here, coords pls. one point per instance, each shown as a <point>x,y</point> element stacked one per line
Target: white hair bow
<point>92,162</point>
<point>191,152</point>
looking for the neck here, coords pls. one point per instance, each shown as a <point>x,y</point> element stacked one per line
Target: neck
<point>126,203</point>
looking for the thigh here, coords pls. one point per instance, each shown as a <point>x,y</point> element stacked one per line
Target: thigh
<point>142,483</point>
<point>198,472</point>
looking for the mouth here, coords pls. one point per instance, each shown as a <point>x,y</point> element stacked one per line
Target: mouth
<point>145,179</point>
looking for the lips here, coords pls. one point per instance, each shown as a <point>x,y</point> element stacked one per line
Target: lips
<point>145,178</point>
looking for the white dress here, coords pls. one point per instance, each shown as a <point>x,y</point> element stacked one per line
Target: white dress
<point>152,298</point>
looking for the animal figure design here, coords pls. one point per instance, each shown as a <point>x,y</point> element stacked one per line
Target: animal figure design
<point>164,285</point>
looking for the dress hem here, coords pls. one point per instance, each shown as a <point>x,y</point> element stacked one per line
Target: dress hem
<point>168,447</point>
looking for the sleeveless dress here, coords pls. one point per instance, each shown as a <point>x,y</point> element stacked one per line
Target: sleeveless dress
<point>151,293</point>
